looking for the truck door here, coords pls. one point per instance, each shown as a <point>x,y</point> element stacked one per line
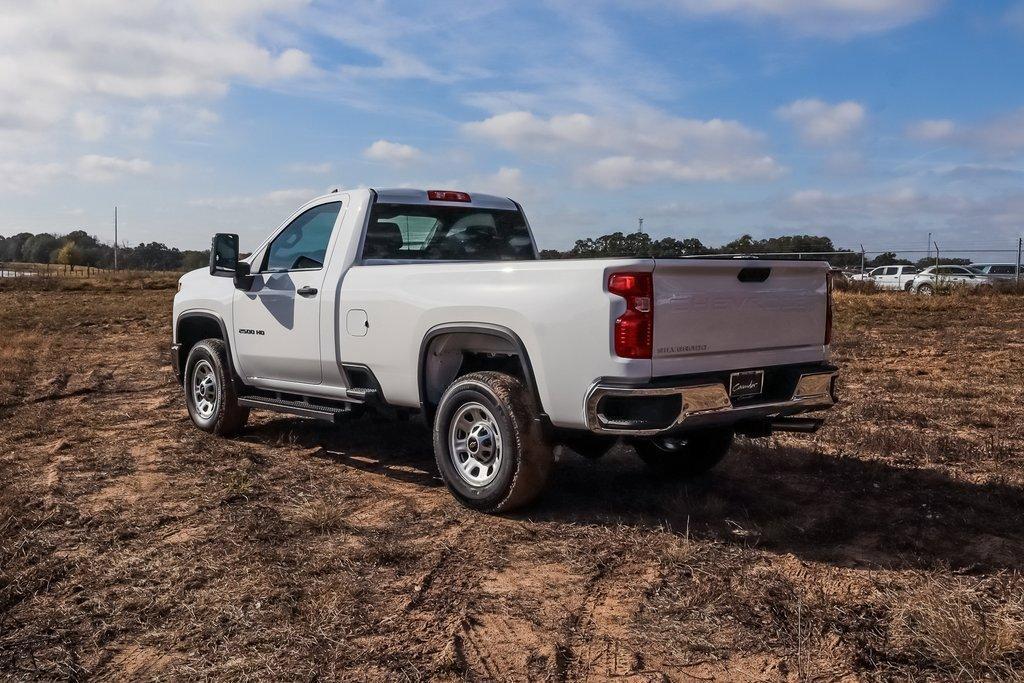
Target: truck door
<point>889,278</point>
<point>277,322</point>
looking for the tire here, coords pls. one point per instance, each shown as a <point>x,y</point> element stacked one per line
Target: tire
<point>688,456</point>
<point>926,290</point>
<point>909,287</point>
<point>210,391</point>
<point>489,444</point>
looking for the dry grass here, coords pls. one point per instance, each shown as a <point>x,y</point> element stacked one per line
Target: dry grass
<point>105,282</point>
<point>965,628</point>
<point>132,546</point>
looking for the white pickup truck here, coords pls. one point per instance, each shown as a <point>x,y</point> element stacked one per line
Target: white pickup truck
<point>436,303</point>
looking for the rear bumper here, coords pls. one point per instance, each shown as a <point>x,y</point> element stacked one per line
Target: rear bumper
<point>703,401</point>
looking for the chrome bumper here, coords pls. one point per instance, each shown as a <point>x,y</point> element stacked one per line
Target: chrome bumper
<point>703,405</point>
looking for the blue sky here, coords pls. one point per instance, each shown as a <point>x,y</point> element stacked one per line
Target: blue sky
<point>870,121</point>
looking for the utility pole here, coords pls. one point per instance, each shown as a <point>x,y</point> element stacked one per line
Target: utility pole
<point>115,239</point>
<point>929,252</point>
<point>862,254</point>
<point>1020,244</point>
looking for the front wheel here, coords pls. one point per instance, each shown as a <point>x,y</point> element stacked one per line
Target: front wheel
<point>687,456</point>
<point>488,442</point>
<point>909,287</point>
<point>210,392</point>
<point>926,290</point>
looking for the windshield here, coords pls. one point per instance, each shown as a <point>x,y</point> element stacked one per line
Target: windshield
<point>446,233</point>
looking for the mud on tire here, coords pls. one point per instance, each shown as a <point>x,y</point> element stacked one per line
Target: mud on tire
<point>489,444</point>
<point>215,409</point>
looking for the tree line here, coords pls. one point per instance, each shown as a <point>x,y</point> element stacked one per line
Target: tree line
<point>78,248</point>
<point>640,244</point>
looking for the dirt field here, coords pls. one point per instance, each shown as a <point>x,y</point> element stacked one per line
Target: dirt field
<point>888,546</point>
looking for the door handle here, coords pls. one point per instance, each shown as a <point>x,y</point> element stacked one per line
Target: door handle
<point>307,291</point>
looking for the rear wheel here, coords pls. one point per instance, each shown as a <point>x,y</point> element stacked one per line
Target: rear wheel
<point>210,392</point>
<point>687,456</point>
<point>488,442</point>
<point>909,286</point>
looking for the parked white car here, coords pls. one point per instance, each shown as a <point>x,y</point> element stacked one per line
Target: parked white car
<point>1004,272</point>
<point>435,302</point>
<point>935,278</point>
<point>889,277</point>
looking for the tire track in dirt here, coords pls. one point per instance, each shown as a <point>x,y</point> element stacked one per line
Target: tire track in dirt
<point>500,647</point>
<point>597,643</point>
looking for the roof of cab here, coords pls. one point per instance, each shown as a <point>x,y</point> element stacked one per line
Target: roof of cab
<point>413,196</point>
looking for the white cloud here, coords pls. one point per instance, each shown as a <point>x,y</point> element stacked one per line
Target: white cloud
<point>21,177</point>
<point>90,126</point>
<point>932,129</point>
<point>98,169</point>
<point>961,218</point>
<point>391,152</point>
<point>1000,135</point>
<point>273,198</point>
<point>620,171</point>
<point>1004,133</point>
<point>506,182</point>
<point>635,147</point>
<point>24,177</point>
<point>141,123</point>
<point>834,18</point>
<point>643,129</point>
<point>521,130</point>
<point>821,123</point>
<point>322,168</point>
<point>52,54</point>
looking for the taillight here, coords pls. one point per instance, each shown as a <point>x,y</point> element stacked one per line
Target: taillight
<point>447,196</point>
<point>828,309</point>
<point>634,329</point>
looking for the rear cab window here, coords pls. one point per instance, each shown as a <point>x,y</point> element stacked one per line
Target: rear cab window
<point>425,232</point>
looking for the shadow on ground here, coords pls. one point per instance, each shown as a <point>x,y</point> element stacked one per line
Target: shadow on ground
<point>844,511</point>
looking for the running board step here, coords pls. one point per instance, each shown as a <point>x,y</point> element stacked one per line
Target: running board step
<point>361,395</point>
<point>300,408</point>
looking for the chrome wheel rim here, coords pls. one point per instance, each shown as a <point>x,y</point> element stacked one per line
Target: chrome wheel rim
<point>205,391</point>
<point>474,444</point>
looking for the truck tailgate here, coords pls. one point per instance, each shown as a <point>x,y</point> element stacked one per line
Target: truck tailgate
<point>731,314</point>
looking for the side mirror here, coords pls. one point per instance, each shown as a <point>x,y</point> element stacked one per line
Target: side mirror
<point>224,255</point>
<point>243,280</point>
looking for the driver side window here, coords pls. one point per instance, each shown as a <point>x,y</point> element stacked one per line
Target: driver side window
<point>303,244</point>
